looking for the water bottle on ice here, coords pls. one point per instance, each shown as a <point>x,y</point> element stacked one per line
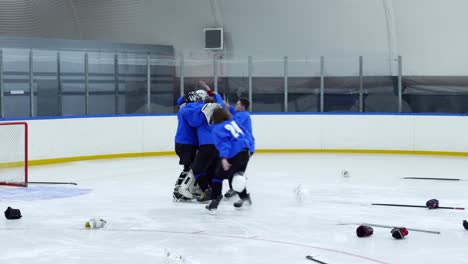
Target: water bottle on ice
<point>95,223</point>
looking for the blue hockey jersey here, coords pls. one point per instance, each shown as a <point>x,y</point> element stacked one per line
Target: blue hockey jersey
<point>230,138</point>
<point>185,134</point>
<point>180,101</point>
<point>195,118</point>
<point>243,119</point>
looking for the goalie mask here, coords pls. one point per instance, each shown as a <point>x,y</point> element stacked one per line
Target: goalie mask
<point>208,110</point>
<point>202,93</point>
<point>192,97</point>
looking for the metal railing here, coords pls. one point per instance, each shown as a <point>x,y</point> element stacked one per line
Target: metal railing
<point>62,82</point>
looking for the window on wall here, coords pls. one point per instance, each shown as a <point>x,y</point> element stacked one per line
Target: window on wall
<point>72,76</point>
<point>233,81</point>
<point>16,84</point>
<point>304,94</point>
<point>101,79</point>
<point>436,94</point>
<point>341,94</point>
<point>268,85</point>
<point>47,100</point>
<point>233,88</point>
<point>303,84</point>
<point>165,87</point>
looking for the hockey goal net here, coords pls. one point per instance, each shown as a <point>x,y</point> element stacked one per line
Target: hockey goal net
<point>14,153</point>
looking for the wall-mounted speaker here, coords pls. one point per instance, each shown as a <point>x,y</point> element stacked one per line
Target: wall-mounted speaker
<point>213,38</point>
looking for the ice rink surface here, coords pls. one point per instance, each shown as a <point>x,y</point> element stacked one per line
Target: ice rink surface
<point>145,225</point>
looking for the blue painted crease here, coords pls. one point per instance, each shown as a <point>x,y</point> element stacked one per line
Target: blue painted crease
<point>39,193</point>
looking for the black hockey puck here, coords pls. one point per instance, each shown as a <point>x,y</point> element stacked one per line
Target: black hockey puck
<point>465,224</point>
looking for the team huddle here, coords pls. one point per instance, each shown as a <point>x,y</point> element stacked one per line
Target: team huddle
<point>214,142</point>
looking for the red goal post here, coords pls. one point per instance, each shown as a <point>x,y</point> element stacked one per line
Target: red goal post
<point>14,154</point>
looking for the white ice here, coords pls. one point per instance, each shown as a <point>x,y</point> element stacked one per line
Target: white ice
<point>144,225</point>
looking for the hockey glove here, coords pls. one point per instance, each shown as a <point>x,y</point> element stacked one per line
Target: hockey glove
<point>432,204</point>
<point>399,232</point>
<point>11,213</point>
<point>364,231</point>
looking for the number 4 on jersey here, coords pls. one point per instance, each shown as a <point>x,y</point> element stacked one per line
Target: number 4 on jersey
<point>234,128</point>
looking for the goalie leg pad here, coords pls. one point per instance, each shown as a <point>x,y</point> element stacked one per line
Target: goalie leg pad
<point>176,195</point>
<point>181,178</point>
<point>187,186</point>
<point>195,189</point>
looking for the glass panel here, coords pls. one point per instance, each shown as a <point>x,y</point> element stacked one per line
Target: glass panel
<point>46,99</point>
<point>436,94</point>
<point>268,85</point>
<point>431,94</point>
<point>101,83</point>
<point>16,82</point>
<point>133,87</point>
<point>341,91</point>
<point>233,81</point>
<point>303,85</point>
<point>380,94</point>
<point>164,84</point>
<point>72,72</point>
<point>380,85</point>
<point>198,68</point>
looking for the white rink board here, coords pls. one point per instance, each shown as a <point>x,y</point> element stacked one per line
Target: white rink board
<point>58,138</point>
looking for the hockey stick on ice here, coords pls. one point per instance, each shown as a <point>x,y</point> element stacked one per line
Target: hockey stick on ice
<point>418,206</point>
<point>389,226</point>
<point>433,179</point>
<point>71,183</point>
<point>314,259</point>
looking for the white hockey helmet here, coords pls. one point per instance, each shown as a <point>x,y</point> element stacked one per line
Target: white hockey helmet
<point>202,93</point>
<point>239,182</point>
<point>191,97</point>
<point>208,110</point>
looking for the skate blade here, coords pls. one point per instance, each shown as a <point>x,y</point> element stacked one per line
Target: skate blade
<point>184,201</point>
<point>244,207</point>
<point>211,212</point>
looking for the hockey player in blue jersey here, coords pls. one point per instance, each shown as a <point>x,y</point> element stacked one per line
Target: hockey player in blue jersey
<point>241,115</point>
<point>233,143</point>
<point>204,164</point>
<point>186,143</point>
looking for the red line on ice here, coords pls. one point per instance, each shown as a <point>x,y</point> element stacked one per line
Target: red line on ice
<point>201,233</point>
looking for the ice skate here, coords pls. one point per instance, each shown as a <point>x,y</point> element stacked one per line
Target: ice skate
<point>229,194</point>
<point>243,202</point>
<point>213,206</point>
<point>205,196</point>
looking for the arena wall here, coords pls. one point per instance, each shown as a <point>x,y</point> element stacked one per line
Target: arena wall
<point>68,139</point>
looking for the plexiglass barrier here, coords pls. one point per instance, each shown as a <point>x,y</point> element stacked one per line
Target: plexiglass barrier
<point>64,83</point>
